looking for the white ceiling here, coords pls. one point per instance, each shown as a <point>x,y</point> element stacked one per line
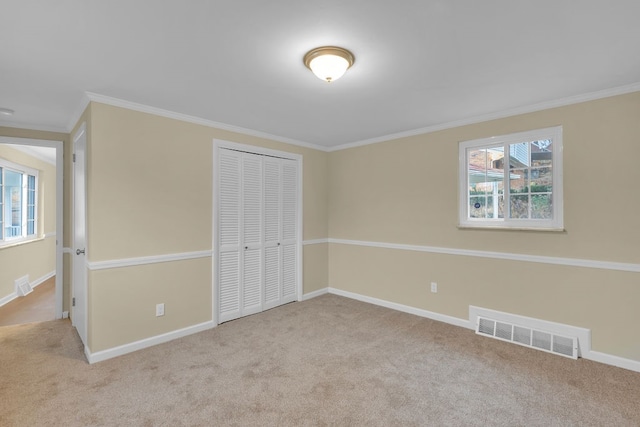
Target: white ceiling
<point>46,154</point>
<point>419,63</point>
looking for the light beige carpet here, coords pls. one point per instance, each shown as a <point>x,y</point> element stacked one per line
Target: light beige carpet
<point>327,361</point>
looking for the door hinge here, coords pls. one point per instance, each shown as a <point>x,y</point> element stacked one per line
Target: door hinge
<point>74,157</point>
<point>73,302</point>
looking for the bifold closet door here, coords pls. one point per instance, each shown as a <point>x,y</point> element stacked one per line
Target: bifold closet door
<point>272,232</point>
<point>240,234</point>
<point>289,221</point>
<point>257,233</point>
<point>251,278</point>
<point>229,236</point>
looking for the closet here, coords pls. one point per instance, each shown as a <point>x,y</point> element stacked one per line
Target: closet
<point>258,242</point>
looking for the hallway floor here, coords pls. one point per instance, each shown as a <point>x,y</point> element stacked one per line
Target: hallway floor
<point>38,306</point>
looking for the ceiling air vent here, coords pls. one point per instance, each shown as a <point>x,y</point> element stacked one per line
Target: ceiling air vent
<point>528,337</point>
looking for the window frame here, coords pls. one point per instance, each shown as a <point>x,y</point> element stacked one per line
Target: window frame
<point>25,171</point>
<point>464,147</point>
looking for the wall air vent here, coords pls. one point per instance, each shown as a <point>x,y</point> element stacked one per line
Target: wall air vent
<point>23,287</point>
<point>528,337</point>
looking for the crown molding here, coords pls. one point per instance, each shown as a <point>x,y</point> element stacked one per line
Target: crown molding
<point>591,96</point>
<point>95,97</point>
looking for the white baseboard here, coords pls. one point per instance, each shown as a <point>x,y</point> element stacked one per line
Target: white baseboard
<point>586,352</point>
<point>405,308</point>
<point>608,359</point>
<point>8,298</point>
<point>110,353</point>
<point>315,294</point>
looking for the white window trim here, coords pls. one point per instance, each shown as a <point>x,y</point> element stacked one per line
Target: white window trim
<point>24,170</point>
<point>555,224</point>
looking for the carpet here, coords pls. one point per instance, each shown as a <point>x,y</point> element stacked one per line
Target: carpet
<point>329,361</point>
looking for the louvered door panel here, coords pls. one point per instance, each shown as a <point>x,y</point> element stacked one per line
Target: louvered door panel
<point>289,230</point>
<point>289,200</point>
<point>289,273</point>
<point>229,199</point>
<point>272,231</point>
<point>272,277</point>
<point>229,289</point>
<point>252,282</point>
<point>252,199</point>
<point>271,200</point>
<point>229,217</point>
<point>252,233</point>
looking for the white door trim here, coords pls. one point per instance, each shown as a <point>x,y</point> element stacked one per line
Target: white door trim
<point>220,144</point>
<point>59,146</point>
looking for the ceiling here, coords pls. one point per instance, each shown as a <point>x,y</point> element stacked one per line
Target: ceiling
<point>419,63</point>
<point>46,154</point>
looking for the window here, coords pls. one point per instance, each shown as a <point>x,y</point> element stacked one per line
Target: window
<point>18,202</point>
<point>512,181</point>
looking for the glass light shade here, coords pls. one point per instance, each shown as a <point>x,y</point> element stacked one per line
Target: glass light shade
<point>329,63</point>
<point>329,67</point>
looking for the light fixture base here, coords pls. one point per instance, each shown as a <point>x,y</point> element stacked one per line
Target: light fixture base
<point>339,57</point>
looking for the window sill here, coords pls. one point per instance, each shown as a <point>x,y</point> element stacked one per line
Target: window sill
<point>13,244</point>
<point>502,228</point>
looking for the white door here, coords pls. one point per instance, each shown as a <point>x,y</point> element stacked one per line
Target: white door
<point>257,233</point>
<point>272,232</point>
<point>289,230</point>
<point>252,246</point>
<point>79,271</point>
<point>229,205</point>
<point>240,234</point>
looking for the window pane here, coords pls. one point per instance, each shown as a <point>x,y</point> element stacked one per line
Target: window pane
<point>518,181</point>
<point>541,153</point>
<point>477,207</point>
<point>485,170</point>
<point>477,171</point>
<point>541,206</point>
<point>31,205</point>
<point>519,155</point>
<point>541,180</point>
<point>519,207</point>
<point>13,204</point>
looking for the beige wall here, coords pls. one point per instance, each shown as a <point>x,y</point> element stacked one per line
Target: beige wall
<point>402,191</point>
<point>406,191</point>
<point>37,259</point>
<point>150,193</point>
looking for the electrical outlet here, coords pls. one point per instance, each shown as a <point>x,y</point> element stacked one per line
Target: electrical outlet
<point>434,287</point>
<point>159,310</point>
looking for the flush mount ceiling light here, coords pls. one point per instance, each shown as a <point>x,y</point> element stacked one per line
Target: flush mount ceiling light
<point>329,63</point>
<point>6,112</point>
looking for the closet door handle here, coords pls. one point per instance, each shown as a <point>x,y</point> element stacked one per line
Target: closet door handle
<point>278,243</point>
<point>246,247</point>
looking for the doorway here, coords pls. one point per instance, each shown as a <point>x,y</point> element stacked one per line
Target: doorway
<point>31,202</point>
